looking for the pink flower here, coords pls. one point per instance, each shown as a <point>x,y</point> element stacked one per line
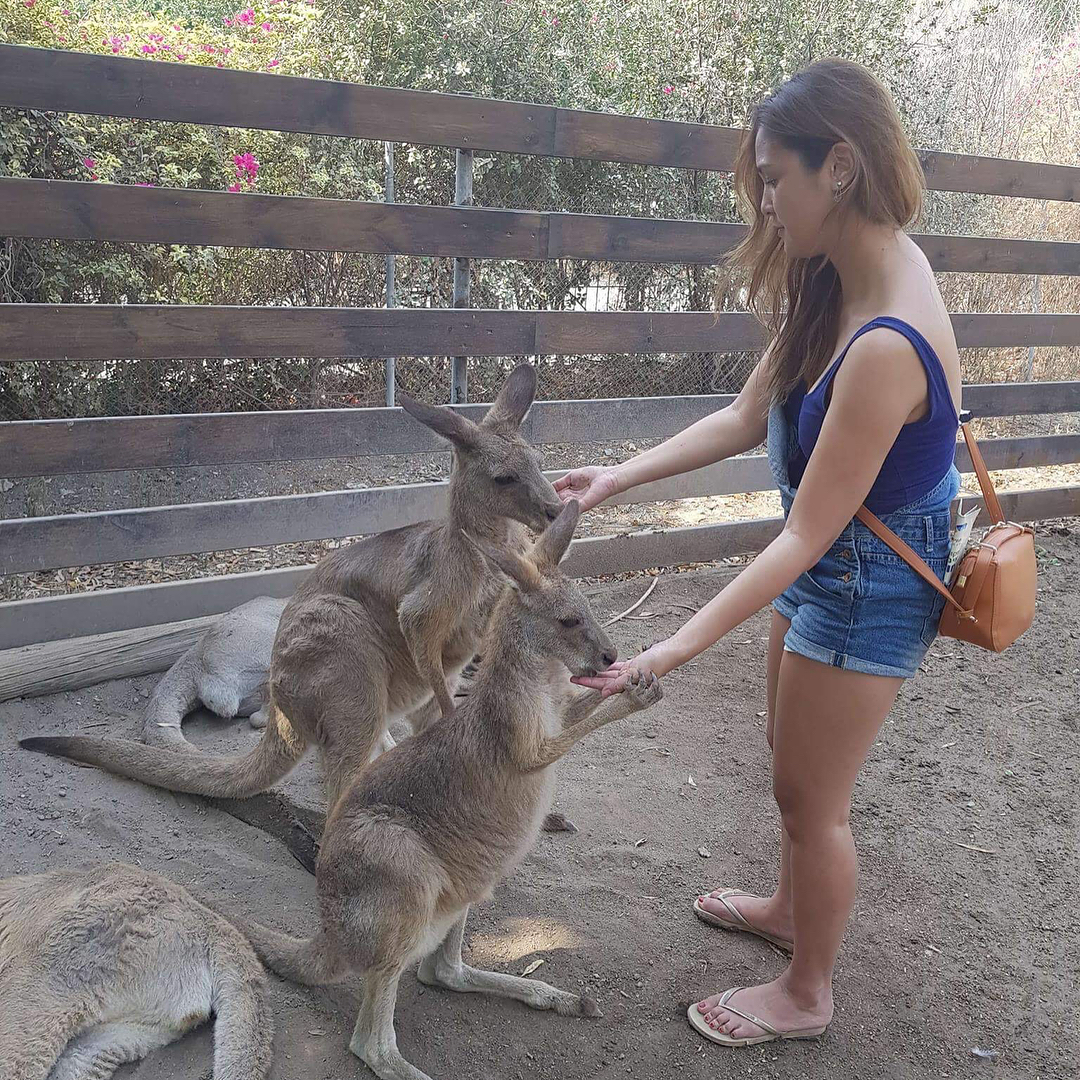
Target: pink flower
<point>89,162</point>
<point>668,89</point>
<point>149,49</point>
<point>246,17</point>
<point>228,21</point>
<point>30,3</point>
<point>65,12</point>
<point>207,48</point>
<point>266,27</point>
<point>226,50</point>
<point>177,28</point>
<point>273,64</point>
<point>247,167</point>
<point>234,188</point>
<point>219,64</point>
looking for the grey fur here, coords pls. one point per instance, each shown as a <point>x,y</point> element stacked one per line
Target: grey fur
<point>380,629</point>
<point>101,965</point>
<point>225,671</point>
<point>434,824</point>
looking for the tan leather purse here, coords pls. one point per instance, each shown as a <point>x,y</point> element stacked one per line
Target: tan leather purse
<point>992,599</point>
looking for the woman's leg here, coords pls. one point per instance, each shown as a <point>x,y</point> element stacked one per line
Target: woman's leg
<point>771,914</point>
<point>826,721</point>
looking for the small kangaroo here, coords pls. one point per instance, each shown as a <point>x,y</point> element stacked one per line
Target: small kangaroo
<point>432,825</point>
<point>225,670</point>
<point>100,966</point>
<point>381,628</point>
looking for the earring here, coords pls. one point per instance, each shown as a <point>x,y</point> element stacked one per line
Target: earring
<point>838,194</point>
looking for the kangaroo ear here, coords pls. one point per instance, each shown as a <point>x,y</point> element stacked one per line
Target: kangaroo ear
<point>520,572</point>
<point>514,399</point>
<point>549,550</point>
<point>442,421</point>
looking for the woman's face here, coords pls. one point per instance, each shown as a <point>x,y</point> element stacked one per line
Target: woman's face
<point>797,201</point>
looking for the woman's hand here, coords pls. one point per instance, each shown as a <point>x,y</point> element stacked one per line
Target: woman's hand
<point>657,660</point>
<point>590,486</point>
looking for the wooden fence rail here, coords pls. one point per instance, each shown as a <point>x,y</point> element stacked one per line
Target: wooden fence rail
<point>105,444</point>
<point>61,81</point>
<point>81,210</point>
<point>26,622</point>
<point>177,331</point>
<point>87,539</point>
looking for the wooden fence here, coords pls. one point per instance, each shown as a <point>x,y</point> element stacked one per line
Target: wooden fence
<point>73,82</point>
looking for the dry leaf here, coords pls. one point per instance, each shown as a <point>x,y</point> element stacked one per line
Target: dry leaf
<point>690,780</point>
<point>316,1031</point>
<point>643,840</point>
<point>704,852</point>
<point>532,967</point>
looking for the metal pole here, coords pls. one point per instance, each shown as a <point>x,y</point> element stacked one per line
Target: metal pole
<point>463,196</point>
<point>391,297</point>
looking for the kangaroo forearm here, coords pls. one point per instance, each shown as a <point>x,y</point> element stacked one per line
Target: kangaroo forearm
<point>580,706</point>
<point>613,708</point>
<point>426,651</point>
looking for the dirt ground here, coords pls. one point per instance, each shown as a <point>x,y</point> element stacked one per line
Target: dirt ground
<point>966,931</point>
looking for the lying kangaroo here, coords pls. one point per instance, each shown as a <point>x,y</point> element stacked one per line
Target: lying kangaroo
<point>100,966</point>
<point>381,628</point>
<point>435,823</point>
<point>225,670</point>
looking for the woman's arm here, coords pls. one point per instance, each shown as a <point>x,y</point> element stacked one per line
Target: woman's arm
<point>878,386</point>
<point>732,430</point>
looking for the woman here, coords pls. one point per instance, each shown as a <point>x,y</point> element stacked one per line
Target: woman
<point>858,393</point>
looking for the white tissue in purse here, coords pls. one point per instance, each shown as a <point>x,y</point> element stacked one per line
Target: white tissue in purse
<point>959,539</point>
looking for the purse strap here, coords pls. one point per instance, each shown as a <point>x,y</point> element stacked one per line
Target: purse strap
<point>990,499</point>
<point>918,564</point>
<point>883,532</point>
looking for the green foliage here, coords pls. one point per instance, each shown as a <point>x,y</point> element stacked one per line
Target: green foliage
<point>699,60</point>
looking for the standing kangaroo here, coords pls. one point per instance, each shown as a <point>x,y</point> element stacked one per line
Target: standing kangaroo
<point>435,823</point>
<point>100,966</point>
<point>381,628</point>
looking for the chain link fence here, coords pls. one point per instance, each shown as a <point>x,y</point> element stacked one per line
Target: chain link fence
<point>426,175</point>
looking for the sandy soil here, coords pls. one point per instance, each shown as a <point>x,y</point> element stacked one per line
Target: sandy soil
<point>950,948</point>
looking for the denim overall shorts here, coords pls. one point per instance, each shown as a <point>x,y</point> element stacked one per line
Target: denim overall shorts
<point>861,607</point>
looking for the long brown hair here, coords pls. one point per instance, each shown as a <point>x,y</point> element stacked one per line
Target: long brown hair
<point>798,300</point>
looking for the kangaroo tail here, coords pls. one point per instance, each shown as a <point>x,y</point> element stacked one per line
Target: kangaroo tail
<point>309,961</point>
<point>244,1024</point>
<point>173,698</point>
<point>196,773</point>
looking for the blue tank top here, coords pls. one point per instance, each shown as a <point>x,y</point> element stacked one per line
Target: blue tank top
<point>924,449</point>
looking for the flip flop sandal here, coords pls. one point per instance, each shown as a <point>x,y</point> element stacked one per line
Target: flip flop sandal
<point>701,1025</point>
<point>738,921</point>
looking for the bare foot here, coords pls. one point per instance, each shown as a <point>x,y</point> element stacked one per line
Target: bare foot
<point>762,913</point>
<point>775,1003</point>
